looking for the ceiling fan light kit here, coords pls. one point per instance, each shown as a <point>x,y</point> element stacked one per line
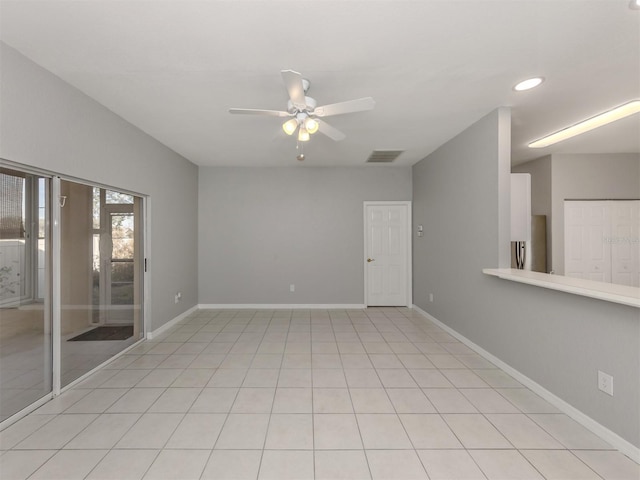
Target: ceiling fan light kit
<point>304,112</point>
<point>311,125</point>
<point>303,135</point>
<point>290,126</point>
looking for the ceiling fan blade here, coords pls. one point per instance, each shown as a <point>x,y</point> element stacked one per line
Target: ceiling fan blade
<point>329,131</point>
<point>255,111</point>
<point>293,82</point>
<point>359,105</point>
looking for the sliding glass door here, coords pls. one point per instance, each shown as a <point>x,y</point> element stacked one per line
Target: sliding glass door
<point>25,320</point>
<point>71,282</point>
<point>101,276</point>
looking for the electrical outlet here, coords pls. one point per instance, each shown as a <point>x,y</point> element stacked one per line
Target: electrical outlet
<point>605,383</point>
<point>178,297</point>
<point>292,288</point>
<point>431,297</point>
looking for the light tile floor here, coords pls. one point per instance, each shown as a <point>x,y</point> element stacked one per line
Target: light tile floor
<point>380,393</point>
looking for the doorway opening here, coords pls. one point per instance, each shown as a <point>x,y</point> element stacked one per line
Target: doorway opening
<point>101,275</point>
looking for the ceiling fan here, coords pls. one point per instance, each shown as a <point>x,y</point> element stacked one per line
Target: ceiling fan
<point>304,113</point>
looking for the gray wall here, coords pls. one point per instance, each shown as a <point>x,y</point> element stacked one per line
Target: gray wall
<point>46,123</point>
<point>595,176</point>
<point>262,229</point>
<point>540,170</point>
<point>557,339</point>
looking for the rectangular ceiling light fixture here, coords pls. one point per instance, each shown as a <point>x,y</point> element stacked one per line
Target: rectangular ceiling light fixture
<point>594,122</point>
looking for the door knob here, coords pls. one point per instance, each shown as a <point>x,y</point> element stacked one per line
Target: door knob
<point>369,260</point>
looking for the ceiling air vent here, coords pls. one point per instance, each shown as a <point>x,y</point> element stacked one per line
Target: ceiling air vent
<point>383,156</point>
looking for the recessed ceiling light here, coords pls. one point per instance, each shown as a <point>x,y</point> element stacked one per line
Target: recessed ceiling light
<point>635,4</point>
<point>528,84</point>
<point>589,124</point>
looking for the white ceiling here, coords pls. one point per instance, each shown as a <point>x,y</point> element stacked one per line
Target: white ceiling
<point>174,68</point>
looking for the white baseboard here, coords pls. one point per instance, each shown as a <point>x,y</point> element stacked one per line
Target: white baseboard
<point>171,323</point>
<point>282,306</point>
<point>603,432</point>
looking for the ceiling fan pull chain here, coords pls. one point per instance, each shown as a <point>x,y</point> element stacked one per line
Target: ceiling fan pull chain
<point>300,149</point>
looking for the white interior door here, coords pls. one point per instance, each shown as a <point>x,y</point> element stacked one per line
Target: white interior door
<point>387,261</point>
<point>587,226</point>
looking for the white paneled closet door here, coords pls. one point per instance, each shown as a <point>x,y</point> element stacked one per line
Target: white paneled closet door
<point>625,243</point>
<point>601,241</point>
<point>586,252</point>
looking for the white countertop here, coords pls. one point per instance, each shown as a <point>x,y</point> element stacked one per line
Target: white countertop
<point>577,286</point>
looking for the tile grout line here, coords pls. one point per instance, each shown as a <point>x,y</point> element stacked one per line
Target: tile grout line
<point>355,416</point>
<point>177,426</point>
<point>322,321</point>
<point>498,430</point>
<point>404,429</point>
<point>266,433</point>
<point>452,431</point>
<point>226,415</point>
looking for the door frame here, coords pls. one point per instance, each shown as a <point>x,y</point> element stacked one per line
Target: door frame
<point>409,257</point>
<point>106,314</point>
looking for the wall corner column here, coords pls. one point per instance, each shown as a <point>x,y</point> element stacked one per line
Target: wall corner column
<point>504,187</point>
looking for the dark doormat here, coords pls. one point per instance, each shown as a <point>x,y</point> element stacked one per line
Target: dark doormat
<point>120,332</point>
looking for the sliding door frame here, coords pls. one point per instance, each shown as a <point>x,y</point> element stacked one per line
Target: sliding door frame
<point>31,289</point>
<point>52,302</point>
<point>56,252</point>
<point>56,279</point>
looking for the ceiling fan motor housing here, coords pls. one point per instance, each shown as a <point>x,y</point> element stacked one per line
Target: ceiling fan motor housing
<point>309,102</point>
